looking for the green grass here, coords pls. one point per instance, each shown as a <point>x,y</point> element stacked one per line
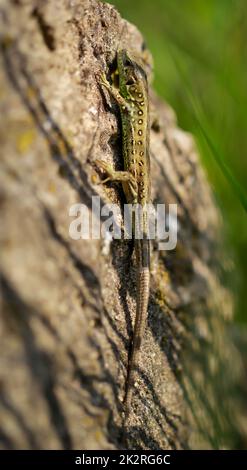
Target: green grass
<point>200,56</point>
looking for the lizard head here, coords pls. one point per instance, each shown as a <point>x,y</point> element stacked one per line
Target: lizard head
<point>131,72</point>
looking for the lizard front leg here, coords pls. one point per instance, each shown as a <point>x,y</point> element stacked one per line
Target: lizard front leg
<point>124,177</point>
<point>124,105</point>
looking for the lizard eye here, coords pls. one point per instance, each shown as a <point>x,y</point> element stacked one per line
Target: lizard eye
<point>130,81</point>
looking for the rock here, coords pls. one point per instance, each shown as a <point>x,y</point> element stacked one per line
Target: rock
<point>68,306</point>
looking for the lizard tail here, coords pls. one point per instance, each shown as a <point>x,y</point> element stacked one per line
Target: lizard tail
<point>142,249</point>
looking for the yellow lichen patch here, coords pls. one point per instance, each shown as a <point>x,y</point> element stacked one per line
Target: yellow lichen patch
<point>52,187</point>
<point>163,277</point>
<point>25,140</point>
<point>65,146</point>
<point>31,92</point>
<point>159,297</point>
<point>162,281</point>
<point>95,179</point>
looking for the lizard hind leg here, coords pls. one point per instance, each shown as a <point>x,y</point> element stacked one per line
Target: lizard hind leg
<point>124,177</point>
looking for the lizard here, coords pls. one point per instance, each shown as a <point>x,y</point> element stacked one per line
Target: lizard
<point>132,97</point>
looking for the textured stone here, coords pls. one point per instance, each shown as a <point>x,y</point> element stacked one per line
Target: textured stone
<point>68,306</point>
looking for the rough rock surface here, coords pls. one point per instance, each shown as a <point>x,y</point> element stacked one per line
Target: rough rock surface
<point>68,306</point>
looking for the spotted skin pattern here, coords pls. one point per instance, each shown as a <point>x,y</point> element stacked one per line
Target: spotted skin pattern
<point>133,100</point>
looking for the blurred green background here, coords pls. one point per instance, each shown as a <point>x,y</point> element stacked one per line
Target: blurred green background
<point>200,55</point>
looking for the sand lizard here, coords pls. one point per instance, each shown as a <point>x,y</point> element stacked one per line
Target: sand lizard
<point>133,100</point>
